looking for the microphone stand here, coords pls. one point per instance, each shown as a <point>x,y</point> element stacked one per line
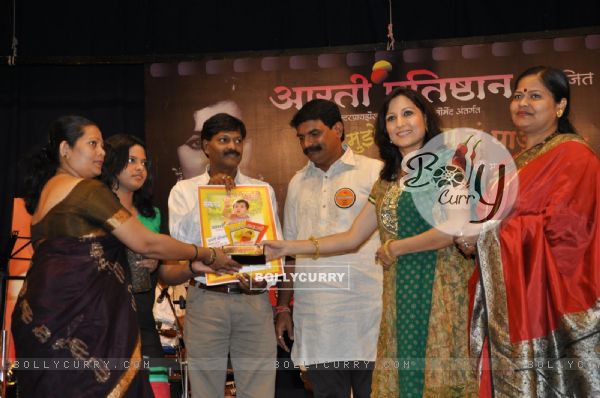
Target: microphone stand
<point>5,276</point>
<point>178,329</point>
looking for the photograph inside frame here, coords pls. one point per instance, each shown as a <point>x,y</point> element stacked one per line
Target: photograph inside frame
<point>237,221</point>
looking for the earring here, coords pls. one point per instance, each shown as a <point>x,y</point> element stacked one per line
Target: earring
<point>559,113</point>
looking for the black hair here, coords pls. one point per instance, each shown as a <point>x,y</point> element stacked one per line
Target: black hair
<point>42,164</point>
<point>116,160</point>
<point>318,109</point>
<point>244,201</point>
<point>221,122</point>
<point>557,83</point>
<point>389,153</point>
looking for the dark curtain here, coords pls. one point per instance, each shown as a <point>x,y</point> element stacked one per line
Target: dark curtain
<point>148,27</point>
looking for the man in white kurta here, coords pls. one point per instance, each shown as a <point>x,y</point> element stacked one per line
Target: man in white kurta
<point>335,320</point>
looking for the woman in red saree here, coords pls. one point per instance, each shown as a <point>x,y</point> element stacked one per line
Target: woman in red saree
<point>535,322</point>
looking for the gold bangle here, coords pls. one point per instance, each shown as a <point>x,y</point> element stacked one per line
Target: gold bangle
<point>315,242</point>
<point>386,249</point>
<point>212,258</point>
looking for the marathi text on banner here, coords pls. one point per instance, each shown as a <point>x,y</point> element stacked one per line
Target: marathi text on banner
<point>287,97</point>
<point>461,88</point>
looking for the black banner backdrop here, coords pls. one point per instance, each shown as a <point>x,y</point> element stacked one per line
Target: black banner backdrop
<point>469,85</point>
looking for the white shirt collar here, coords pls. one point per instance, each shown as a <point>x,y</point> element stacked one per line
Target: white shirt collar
<point>347,158</point>
<point>237,174</point>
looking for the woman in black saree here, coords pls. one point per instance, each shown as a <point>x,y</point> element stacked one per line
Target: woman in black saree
<point>75,314</point>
